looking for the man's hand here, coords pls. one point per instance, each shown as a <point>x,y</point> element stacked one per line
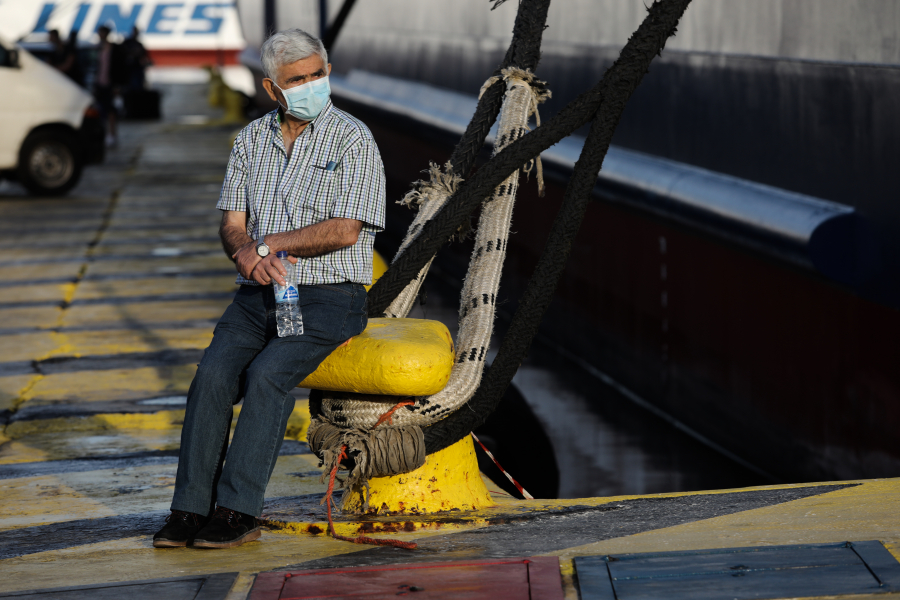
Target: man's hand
<point>246,259</point>
<point>270,268</point>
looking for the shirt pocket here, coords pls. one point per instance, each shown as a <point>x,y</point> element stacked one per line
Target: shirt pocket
<point>317,196</point>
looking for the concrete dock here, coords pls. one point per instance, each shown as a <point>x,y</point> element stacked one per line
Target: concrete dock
<point>107,299</point>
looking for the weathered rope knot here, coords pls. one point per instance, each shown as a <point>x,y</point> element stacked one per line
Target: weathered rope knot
<point>516,77</point>
<point>539,94</point>
<point>373,452</point>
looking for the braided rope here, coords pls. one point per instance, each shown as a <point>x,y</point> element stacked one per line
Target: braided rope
<point>429,196</point>
<point>476,317</point>
<point>603,105</point>
<point>618,84</point>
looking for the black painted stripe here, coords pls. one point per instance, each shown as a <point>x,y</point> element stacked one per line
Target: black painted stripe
<point>70,534</point>
<point>544,531</point>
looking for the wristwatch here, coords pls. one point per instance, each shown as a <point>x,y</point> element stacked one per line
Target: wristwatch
<point>261,248</point>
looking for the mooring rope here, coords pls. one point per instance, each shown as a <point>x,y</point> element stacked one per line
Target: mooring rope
<point>603,106</point>
<point>477,301</point>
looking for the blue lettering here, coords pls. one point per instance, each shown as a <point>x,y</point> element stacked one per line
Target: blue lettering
<point>41,25</point>
<point>111,16</point>
<point>80,17</point>
<point>159,17</point>
<point>214,23</point>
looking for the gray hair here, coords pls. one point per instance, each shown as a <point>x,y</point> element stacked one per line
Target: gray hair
<point>289,46</point>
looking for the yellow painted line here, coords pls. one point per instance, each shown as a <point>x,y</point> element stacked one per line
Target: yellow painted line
<point>144,313</point>
<point>166,419</point>
<point>59,438</point>
<point>30,273</point>
<point>29,316</point>
<point>152,286</point>
<point>52,292</point>
<point>240,589</point>
<point>28,346</point>
<point>11,389</point>
<point>864,512</point>
<point>113,384</point>
<point>46,499</point>
<point>87,343</point>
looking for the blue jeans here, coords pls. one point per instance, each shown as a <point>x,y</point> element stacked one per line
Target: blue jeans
<point>246,358</point>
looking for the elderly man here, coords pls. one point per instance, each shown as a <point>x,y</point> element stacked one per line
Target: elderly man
<point>307,179</point>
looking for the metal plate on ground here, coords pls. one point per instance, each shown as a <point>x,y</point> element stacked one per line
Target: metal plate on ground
<point>199,587</point>
<point>741,573</point>
<point>535,578</point>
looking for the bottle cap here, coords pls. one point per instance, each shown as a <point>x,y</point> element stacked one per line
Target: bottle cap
<point>281,254</point>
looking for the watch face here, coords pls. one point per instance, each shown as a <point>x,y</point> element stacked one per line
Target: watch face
<point>262,250</point>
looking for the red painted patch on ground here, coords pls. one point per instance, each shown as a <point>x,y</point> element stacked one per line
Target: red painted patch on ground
<point>535,578</point>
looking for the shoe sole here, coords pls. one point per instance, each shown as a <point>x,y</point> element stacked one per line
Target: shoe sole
<point>247,537</point>
<point>169,543</point>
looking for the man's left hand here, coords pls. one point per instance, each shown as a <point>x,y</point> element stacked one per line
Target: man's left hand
<point>246,259</point>
<point>269,269</point>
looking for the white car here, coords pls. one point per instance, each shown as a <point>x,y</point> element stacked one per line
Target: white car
<point>49,129</point>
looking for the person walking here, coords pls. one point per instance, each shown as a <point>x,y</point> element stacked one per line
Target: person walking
<point>306,179</point>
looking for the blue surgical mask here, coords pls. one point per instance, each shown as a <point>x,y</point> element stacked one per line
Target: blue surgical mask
<point>306,101</point>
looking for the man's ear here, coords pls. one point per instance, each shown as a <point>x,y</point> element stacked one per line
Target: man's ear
<point>329,69</point>
<point>267,83</point>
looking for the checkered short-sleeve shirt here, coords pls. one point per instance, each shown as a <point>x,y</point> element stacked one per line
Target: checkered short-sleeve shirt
<point>334,170</point>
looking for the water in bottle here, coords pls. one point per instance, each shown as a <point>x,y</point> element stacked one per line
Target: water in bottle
<point>287,302</point>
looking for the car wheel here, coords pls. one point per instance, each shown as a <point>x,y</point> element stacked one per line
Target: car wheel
<point>48,163</point>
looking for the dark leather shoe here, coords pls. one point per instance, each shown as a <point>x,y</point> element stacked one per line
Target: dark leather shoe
<point>227,529</point>
<point>179,530</point>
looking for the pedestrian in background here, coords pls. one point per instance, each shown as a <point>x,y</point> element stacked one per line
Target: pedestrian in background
<point>136,60</point>
<point>64,56</point>
<point>109,74</point>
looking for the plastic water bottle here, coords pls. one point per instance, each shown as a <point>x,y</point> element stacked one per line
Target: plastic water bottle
<point>287,302</point>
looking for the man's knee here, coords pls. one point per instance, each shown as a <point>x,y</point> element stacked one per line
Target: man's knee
<point>217,379</point>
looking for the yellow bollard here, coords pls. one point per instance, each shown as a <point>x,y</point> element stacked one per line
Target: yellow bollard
<point>449,480</point>
<point>215,98</point>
